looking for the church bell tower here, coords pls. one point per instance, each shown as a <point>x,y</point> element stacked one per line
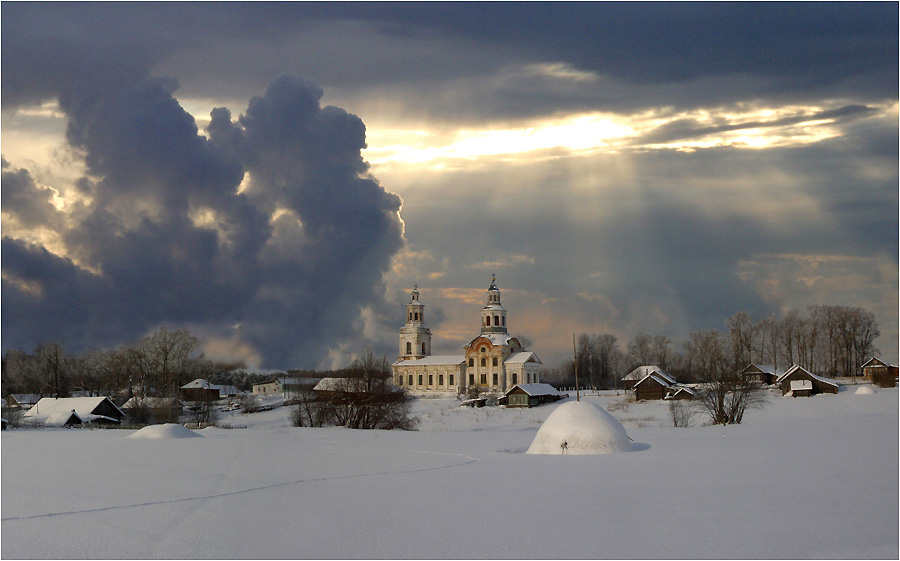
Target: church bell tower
<point>415,338</point>
<point>493,315</point>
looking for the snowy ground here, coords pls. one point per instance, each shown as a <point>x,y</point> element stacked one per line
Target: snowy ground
<point>803,478</point>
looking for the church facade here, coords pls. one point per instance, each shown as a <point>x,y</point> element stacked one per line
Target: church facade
<point>492,362</point>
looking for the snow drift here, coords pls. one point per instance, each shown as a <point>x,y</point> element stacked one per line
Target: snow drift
<point>580,427</point>
<point>168,430</point>
<point>864,390</point>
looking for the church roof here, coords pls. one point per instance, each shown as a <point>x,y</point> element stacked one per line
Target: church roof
<point>495,338</point>
<point>434,359</point>
<point>522,357</point>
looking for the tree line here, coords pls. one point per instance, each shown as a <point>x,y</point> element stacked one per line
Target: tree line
<point>825,340</point>
<point>154,366</point>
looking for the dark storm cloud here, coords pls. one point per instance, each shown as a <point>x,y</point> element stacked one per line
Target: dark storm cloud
<point>151,174</point>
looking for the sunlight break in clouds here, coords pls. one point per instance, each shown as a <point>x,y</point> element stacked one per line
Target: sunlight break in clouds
<point>757,128</point>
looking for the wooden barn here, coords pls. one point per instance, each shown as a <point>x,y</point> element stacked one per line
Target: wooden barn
<point>201,390</point>
<point>818,384</point>
<point>530,395</point>
<point>765,375</point>
<point>879,372</point>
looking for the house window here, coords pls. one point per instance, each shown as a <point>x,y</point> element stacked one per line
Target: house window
<point>451,379</point>
<point>495,378</point>
<point>495,361</point>
<point>471,379</point>
<point>420,379</point>
<point>483,361</point>
<point>440,379</point>
<point>484,379</point>
<point>431,379</point>
<point>515,379</point>
<point>410,379</point>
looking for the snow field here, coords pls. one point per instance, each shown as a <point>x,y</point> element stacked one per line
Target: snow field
<point>806,477</point>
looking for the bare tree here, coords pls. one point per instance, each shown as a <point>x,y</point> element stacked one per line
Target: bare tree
<point>640,350</point>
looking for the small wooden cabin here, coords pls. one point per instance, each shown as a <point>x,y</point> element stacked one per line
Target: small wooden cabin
<point>763,374</point>
<point>530,395</point>
<point>652,387</point>
<point>818,383</point>
<point>880,372</point>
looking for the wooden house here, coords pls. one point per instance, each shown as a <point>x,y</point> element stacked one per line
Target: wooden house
<point>818,383</point>
<point>22,400</point>
<point>659,385</point>
<point>530,395</point>
<point>201,390</point>
<point>632,378</point>
<point>765,375</point>
<point>57,412</point>
<point>877,371</point>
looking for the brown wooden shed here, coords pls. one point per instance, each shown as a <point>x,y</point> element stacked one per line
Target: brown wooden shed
<point>819,384</point>
<point>880,372</point>
<point>530,395</point>
<point>651,387</point>
<point>762,374</point>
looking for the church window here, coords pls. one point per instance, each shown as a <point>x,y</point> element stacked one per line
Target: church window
<point>417,316</point>
<point>423,348</point>
<point>431,379</point>
<point>400,381</point>
<point>420,379</point>
<point>408,348</point>
<point>451,379</point>
<point>515,379</point>
<point>440,379</point>
<point>495,361</point>
<point>487,321</point>
<point>410,379</point>
<point>410,316</point>
<point>471,362</point>
<point>484,379</point>
<point>496,320</point>
<point>471,379</point>
<point>483,361</point>
<point>495,378</point>
<point>483,349</point>
<point>504,321</point>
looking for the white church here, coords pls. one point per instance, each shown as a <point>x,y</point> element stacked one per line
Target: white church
<point>494,361</point>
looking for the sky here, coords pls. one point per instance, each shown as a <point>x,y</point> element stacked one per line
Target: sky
<point>276,177</point>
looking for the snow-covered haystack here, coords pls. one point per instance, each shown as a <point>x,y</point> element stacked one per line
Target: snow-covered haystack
<point>864,390</point>
<point>580,427</point>
<point>168,430</point>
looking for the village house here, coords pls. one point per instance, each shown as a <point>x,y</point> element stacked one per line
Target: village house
<point>284,387</point>
<point>66,411</point>
<point>765,375</point>
<point>629,380</point>
<point>22,400</point>
<point>659,385</point>
<point>816,384</point>
<point>154,409</point>
<point>879,372</point>
<point>531,395</point>
<point>201,390</point>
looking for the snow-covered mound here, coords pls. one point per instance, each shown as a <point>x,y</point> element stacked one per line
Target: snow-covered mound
<point>168,430</point>
<point>580,427</point>
<point>864,390</point>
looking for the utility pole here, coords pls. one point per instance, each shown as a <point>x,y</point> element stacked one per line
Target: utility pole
<point>575,351</point>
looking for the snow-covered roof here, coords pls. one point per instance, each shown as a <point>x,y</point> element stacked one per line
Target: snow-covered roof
<point>201,383</point>
<point>642,372</point>
<point>448,360</point>
<point>26,398</point>
<point>522,357</point>
<point>661,380</point>
<point>806,372</point>
<point>536,389</point>
<point>876,362</point>
<point>494,338</point>
<point>153,402</point>
<point>59,418</point>
<point>83,406</point>
<point>767,368</point>
<point>679,389</point>
<point>348,385</point>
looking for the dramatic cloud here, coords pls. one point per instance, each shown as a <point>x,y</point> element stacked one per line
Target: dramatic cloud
<point>184,229</point>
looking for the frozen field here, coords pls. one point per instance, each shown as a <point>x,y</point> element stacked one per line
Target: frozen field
<point>802,478</point>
